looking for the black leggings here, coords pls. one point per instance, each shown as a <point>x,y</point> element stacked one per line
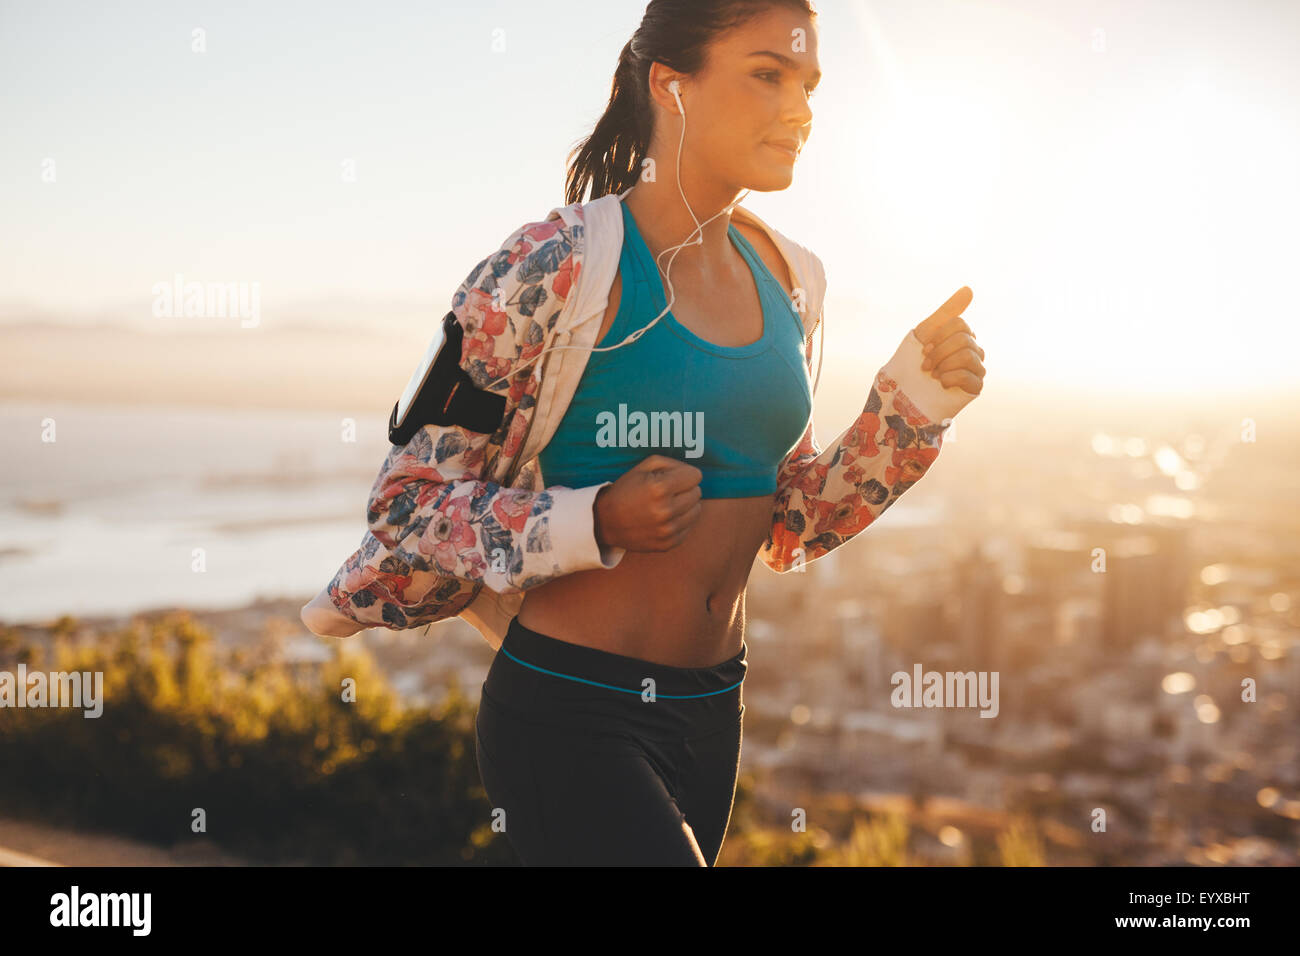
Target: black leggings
<point>590,771</point>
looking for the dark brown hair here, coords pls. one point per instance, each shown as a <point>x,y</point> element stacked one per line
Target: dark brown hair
<point>676,34</point>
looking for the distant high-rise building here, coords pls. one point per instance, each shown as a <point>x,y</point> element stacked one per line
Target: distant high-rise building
<point>1144,584</point>
<point>1137,597</point>
<point>1055,562</point>
<point>979,610</point>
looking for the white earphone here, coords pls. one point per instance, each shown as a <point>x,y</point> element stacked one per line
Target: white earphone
<point>675,88</point>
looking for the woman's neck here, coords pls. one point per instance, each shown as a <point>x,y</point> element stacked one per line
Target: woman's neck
<point>664,221</point>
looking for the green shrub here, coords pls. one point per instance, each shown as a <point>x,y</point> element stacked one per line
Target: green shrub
<point>283,768</point>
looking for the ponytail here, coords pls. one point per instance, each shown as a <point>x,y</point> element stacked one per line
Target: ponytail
<point>610,158</point>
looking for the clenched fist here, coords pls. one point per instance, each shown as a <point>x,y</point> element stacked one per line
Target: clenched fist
<point>651,507</point>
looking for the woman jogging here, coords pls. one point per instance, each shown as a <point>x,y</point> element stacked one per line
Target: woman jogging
<point>610,724</point>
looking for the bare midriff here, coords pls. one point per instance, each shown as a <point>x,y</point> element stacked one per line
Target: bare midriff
<point>683,608</point>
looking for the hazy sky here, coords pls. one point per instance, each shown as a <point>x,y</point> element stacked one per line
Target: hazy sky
<point>1116,181</point>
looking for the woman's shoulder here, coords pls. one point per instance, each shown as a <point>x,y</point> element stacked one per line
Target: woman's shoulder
<point>793,264</point>
<point>772,244</point>
<point>767,251</point>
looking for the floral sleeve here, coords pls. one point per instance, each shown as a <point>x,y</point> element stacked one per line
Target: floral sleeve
<point>824,498</point>
<point>429,514</point>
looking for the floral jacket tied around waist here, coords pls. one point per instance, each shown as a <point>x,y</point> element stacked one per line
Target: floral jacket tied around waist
<point>461,523</point>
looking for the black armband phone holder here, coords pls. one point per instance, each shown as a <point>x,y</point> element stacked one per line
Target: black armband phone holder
<point>440,392</point>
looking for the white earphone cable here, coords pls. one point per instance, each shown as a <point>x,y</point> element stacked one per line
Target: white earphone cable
<point>690,240</point>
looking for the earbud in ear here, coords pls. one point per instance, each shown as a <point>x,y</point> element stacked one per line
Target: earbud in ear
<point>676,89</point>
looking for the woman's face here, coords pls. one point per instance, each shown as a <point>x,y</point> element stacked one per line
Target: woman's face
<point>741,103</point>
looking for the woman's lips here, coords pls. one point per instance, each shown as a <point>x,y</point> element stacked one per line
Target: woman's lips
<point>784,150</point>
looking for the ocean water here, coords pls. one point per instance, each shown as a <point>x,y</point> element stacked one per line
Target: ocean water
<point>106,518</point>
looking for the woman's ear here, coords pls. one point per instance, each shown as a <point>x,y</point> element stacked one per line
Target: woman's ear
<point>666,87</point>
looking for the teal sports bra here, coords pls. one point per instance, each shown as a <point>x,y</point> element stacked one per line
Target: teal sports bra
<point>734,412</point>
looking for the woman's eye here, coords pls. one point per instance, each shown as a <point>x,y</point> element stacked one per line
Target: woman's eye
<point>772,77</point>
